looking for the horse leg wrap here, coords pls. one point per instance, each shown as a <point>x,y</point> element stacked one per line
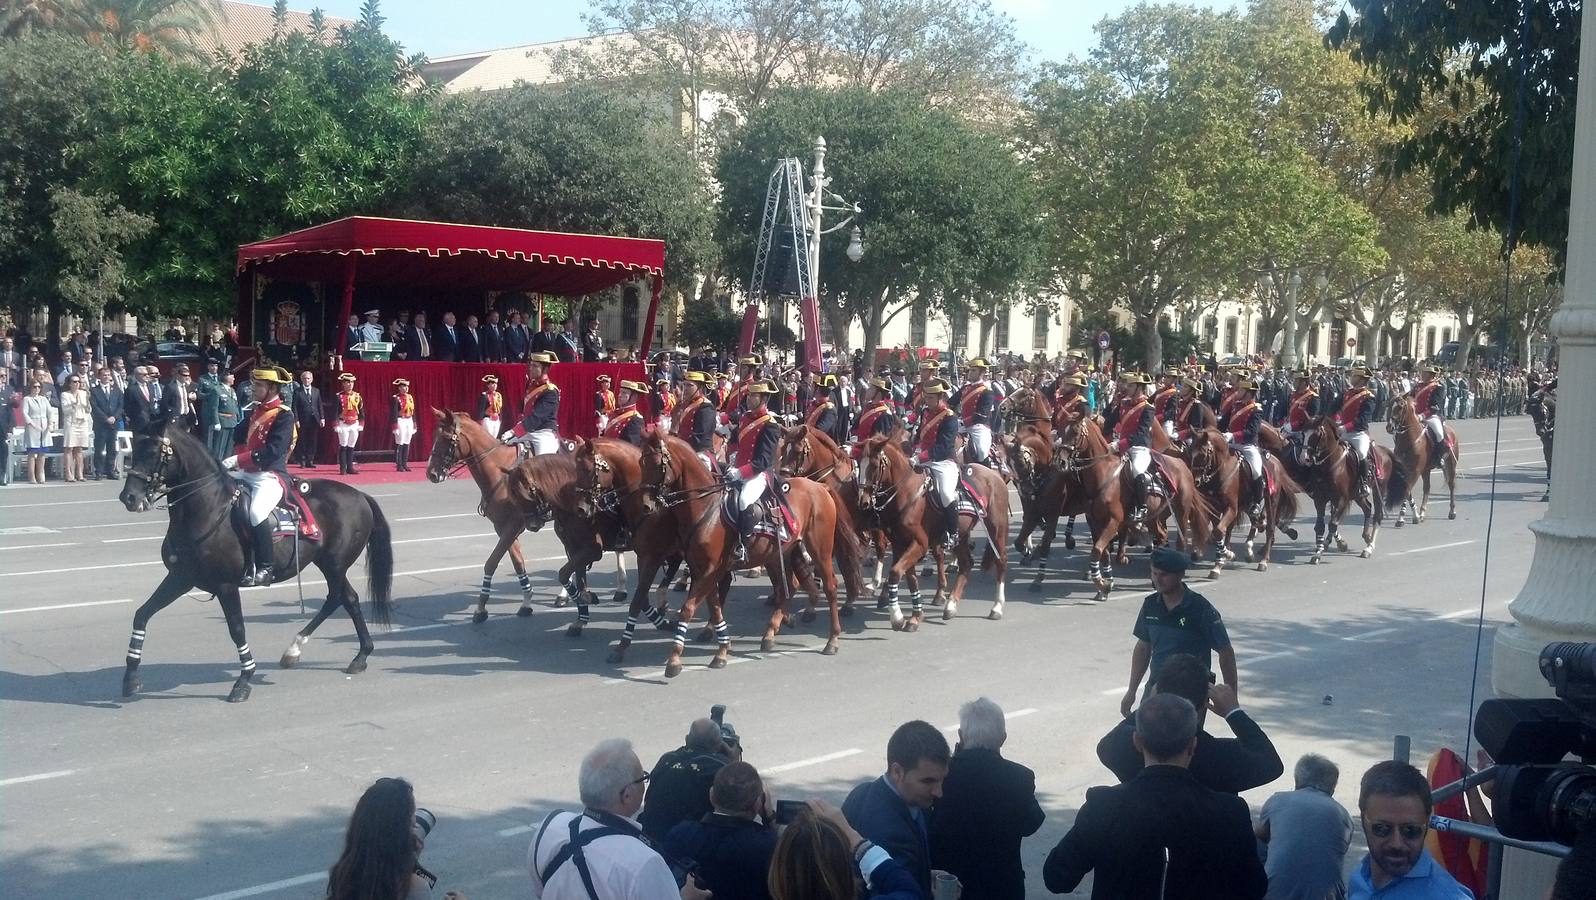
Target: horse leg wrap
<point>722,636</point>
<point>915,601</point>
<point>1108,570</point>
<point>681,635</point>
<point>583,613</point>
<point>571,590</point>
<point>487,587</point>
<point>631,628</point>
<point>526,584</point>
<point>1094,569</point>
<point>657,619</point>
<point>246,660</point>
<point>135,647</point>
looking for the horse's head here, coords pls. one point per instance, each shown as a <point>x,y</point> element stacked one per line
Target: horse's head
<point>658,470</point>
<point>1397,418</point>
<point>446,450</point>
<point>796,451</point>
<point>1205,450</point>
<point>152,470</point>
<point>526,493</point>
<point>881,465</point>
<point>597,478</point>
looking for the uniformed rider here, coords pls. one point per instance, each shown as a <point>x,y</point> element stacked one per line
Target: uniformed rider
<point>262,468</point>
<point>1242,434</point>
<point>1429,402</point>
<point>626,424</point>
<point>757,436</point>
<point>1304,405</point>
<point>1189,409</point>
<point>1133,430</point>
<point>977,410</point>
<point>696,419</point>
<point>878,417</point>
<point>1353,420</point>
<point>822,414</point>
<point>1069,403</point>
<point>937,449</point>
<point>1165,401</point>
<point>540,424</point>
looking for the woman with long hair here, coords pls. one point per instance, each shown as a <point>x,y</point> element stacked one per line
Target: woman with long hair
<point>821,857</point>
<point>381,850</point>
<point>36,430</point>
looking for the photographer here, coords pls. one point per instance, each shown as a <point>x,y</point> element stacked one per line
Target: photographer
<point>731,847</point>
<point>678,789</point>
<point>382,848</point>
<point>821,857</point>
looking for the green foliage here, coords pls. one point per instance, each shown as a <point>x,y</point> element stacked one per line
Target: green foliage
<point>709,325</point>
<point>1451,68</point>
<point>582,158</point>
<point>174,28</point>
<point>90,233</point>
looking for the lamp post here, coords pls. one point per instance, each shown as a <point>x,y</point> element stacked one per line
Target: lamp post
<point>814,207</point>
<point>1288,342</point>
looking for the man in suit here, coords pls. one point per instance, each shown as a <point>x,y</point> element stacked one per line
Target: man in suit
<point>493,339</point>
<point>546,339</point>
<point>11,360</point>
<point>418,340</point>
<point>1230,765</point>
<point>471,341</point>
<point>893,811</point>
<point>565,343</point>
<point>592,343</point>
<point>310,416</point>
<point>8,420</point>
<point>517,341</point>
<point>446,347</point>
<point>988,806</point>
<point>1161,835</point>
<point>180,398</point>
<point>105,403</point>
<point>352,334</point>
<point>141,403</point>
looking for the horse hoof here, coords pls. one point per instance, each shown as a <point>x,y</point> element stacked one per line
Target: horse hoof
<point>620,597</point>
<point>947,614</point>
<point>573,630</point>
<point>615,657</point>
<point>995,615</point>
<point>560,602</point>
<point>718,662</point>
<point>1313,560</point>
<point>239,693</point>
<point>808,616</point>
<point>131,684</point>
<point>846,612</point>
<point>1398,523</point>
<point>1069,543</point>
<point>1262,566</point>
<point>767,645</point>
<point>289,660</point>
<point>1452,514</point>
<point>1213,573</point>
<point>1036,586</point>
<point>911,626</point>
<point>1289,532</point>
<point>525,611</point>
<point>1341,545</point>
<point>830,649</point>
<point>479,616</point>
<point>356,666</point>
<point>1366,553</point>
<point>1100,597</point>
<point>673,669</point>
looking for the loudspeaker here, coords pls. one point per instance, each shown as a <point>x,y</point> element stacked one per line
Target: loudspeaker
<point>781,276</point>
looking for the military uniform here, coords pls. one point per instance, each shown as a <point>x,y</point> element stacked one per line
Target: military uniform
<point>757,436</point>
<point>1133,437</point>
<point>261,467</point>
<point>402,409</point>
<point>540,422</point>
<point>490,407</point>
<point>351,421</point>
<point>937,450</point>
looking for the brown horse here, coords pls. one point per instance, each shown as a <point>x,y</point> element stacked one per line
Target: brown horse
<point>899,495</point>
<point>680,484</point>
<point>1219,474</point>
<point>808,452</point>
<point>547,488</point>
<point>1105,479</point>
<point>1329,475</point>
<point>1415,459</point>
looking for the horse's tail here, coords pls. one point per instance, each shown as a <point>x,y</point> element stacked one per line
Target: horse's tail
<point>379,566</point>
<point>1286,505</point>
<point>1399,485</point>
<point>846,547</point>
<point>1200,513</point>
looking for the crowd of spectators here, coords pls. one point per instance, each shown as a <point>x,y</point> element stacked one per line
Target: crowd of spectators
<point>493,338</point>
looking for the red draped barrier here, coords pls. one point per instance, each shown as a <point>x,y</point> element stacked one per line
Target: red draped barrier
<point>455,386</point>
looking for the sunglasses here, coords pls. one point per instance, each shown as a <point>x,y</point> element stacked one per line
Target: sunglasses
<point>1408,832</point>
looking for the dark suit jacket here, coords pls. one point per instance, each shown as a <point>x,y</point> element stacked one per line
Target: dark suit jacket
<point>444,347</point>
<point>493,343</point>
<point>876,811</point>
<point>988,806</point>
<point>470,345</point>
<point>140,413</point>
<point>1231,765</point>
<point>516,341</point>
<point>105,400</point>
<point>307,403</point>
<point>1121,835</point>
<point>412,344</point>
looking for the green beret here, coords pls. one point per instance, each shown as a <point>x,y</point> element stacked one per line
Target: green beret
<point>1170,560</point>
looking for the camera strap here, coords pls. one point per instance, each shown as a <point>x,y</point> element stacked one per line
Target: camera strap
<point>573,848</point>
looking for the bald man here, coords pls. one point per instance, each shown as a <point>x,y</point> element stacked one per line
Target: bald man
<point>678,788</point>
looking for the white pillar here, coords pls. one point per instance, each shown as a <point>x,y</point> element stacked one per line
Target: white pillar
<point>1557,602</point>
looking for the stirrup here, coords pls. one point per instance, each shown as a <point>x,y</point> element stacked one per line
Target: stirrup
<point>261,577</point>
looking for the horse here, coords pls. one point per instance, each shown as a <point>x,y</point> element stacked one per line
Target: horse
<point>808,452</point>
<point>1104,479</point>
<point>1329,475</point>
<point>460,443</point>
<point>1218,471</point>
<point>681,485</point>
<point>899,495</point>
<point>549,488</point>
<point>1414,462</point>
<point>202,549</point>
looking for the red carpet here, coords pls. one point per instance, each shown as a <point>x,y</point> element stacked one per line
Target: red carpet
<point>369,473</point>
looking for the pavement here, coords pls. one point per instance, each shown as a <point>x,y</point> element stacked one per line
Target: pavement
<point>177,794</point>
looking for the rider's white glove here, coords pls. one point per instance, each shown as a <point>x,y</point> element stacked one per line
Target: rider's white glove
<point>230,463</point>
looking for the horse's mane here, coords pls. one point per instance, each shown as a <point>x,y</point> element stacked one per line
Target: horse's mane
<point>1088,431</point>
<point>682,452</point>
<point>823,439</point>
<point>897,460</point>
<point>197,459</point>
<point>608,446</point>
<point>552,473</point>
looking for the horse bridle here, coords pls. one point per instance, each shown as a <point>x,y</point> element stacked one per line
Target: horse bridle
<point>805,452</point>
<point>667,499</point>
<point>155,486</point>
<point>881,495</point>
<point>457,463</point>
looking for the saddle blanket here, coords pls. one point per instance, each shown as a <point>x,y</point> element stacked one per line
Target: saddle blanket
<point>292,513</point>
<point>786,529</point>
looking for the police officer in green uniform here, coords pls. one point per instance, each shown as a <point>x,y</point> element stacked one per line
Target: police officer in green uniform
<point>1176,619</point>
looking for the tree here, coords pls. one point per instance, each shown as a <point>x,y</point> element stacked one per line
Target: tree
<point>710,325</point>
<point>174,28</point>
<point>1453,67</point>
<point>91,232</point>
<point>580,158</point>
<point>938,226</point>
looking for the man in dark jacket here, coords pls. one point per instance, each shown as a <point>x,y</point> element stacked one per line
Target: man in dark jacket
<point>141,404</point>
<point>471,341</point>
<point>418,345</point>
<point>1229,765</point>
<point>730,847</point>
<point>988,806</point>
<point>105,401</point>
<point>892,811</point>
<point>493,339</point>
<point>1161,835</point>
<point>446,342</point>
<point>310,417</point>
<point>678,787</point>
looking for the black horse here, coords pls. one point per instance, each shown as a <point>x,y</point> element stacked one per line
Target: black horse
<point>202,548</point>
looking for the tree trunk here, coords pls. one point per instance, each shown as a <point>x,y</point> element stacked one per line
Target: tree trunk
<point>872,329</point>
<point>1152,341</point>
<point>840,320</point>
<point>988,326</point>
<point>1466,333</point>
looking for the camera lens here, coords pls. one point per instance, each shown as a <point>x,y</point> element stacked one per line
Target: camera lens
<point>424,822</point>
<point>1569,662</point>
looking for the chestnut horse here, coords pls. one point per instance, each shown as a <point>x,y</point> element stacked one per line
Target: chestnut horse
<point>1221,475</point>
<point>899,495</point>
<point>460,443</point>
<point>1330,477</point>
<point>1105,479</point>
<point>1414,462</point>
<point>680,485</point>
<point>808,452</point>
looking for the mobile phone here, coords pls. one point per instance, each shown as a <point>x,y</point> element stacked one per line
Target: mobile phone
<point>787,811</point>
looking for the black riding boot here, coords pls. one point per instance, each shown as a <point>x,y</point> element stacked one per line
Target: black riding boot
<point>1260,493</point>
<point>352,469</point>
<point>258,569</point>
<point>950,525</point>
<point>746,520</point>
<point>1140,511</point>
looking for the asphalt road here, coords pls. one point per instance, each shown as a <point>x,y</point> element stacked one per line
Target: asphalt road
<point>178,794</point>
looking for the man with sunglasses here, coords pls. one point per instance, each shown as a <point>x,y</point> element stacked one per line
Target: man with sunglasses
<point>1394,803</point>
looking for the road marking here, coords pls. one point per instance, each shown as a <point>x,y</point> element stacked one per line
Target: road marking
<point>297,880</point>
<point>27,609</point>
<point>1369,634</point>
<point>57,503</point>
<point>40,546</point>
<point>147,537</point>
<point>42,776</point>
<point>813,761</point>
<point>27,529</point>
<point>1432,547</point>
<point>519,829</point>
<point>144,524</point>
<point>428,518</point>
<point>1459,613</point>
<point>1513,466</point>
<point>84,569</point>
<point>1111,692</point>
<point>446,537</point>
<point>1268,656</point>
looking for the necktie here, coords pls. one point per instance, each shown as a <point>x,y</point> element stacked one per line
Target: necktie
<point>426,348</point>
<point>146,393</point>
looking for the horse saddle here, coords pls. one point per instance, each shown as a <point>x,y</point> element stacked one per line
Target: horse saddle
<point>782,528</point>
<point>969,498</point>
<point>1435,457</point>
<point>291,515</point>
<point>1161,482</point>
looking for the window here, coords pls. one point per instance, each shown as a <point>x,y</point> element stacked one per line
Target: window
<point>961,329</point>
<point>629,304</point>
<point>917,326</point>
<point>1211,329</point>
<point>1429,341</point>
<point>1446,336</point>
<point>1040,320</point>
<point>1002,337</point>
<point>1230,335</point>
<point>1313,341</point>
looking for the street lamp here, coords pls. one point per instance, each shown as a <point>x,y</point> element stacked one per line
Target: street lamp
<point>814,207</point>
<point>855,245</point>
<point>1288,342</point>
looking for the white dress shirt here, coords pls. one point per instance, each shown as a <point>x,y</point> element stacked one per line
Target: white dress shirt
<point>623,868</point>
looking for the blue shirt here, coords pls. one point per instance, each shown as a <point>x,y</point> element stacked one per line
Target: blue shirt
<point>1426,881</point>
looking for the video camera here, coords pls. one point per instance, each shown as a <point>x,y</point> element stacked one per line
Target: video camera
<point>717,714</point>
<point>1538,796</point>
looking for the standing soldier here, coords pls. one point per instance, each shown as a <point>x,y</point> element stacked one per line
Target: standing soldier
<point>662,401</point>
<point>977,407</point>
<point>696,419</point>
<point>351,421</point>
<point>402,409</point>
<point>1133,437</point>
<point>937,450</point>
<point>227,416</point>
<point>627,423</point>
<point>540,421</point>
<point>490,406</point>
<point>604,404</point>
<point>1353,420</point>
<point>757,436</point>
<point>262,468</point>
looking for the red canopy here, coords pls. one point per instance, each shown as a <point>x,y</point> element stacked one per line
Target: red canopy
<point>454,256</point>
